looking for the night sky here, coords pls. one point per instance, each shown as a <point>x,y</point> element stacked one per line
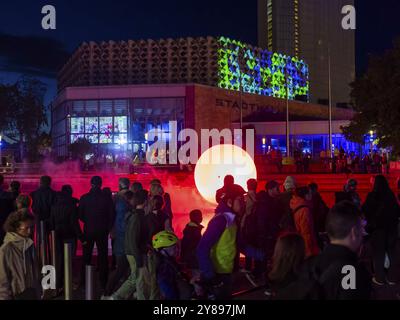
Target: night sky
<point>25,48</point>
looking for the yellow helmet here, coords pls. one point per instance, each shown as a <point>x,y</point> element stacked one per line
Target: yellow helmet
<point>164,239</point>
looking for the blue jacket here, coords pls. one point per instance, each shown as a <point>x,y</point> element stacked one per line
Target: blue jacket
<point>121,208</point>
<point>215,229</point>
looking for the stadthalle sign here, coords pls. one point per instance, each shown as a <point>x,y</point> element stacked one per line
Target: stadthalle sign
<point>253,107</point>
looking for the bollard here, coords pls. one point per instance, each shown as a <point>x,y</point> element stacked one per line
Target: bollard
<point>53,249</point>
<point>42,244</point>
<point>89,285</point>
<point>67,271</point>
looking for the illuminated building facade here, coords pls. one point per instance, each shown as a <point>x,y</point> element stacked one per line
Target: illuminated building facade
<point>219,62</point>
<point>113,119</point>
<point>116,118</point>
<point>113,93</point>
<point>261,71</point>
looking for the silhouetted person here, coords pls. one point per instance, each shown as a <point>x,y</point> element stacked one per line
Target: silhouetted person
<point>303,220</point>
<point>15,189</point>
<point>136,186</point>
<point>351,189</point>
<point>42,201</point>
<point>289,255</point>
<point>64,221</point>
<point>269,213</point>
<point>345,230</point>
<point>229,186</point>
<point>382,213</point>
<point>157,189</point>
<point>287,223</point>
<point>6,206</point>
<point>190,241</point>
<point>96,213</point>
<point>247,228</point>
<point>228,182</point>
<point>319,211</point>
<point>118,235</point>
<point>323,277</point>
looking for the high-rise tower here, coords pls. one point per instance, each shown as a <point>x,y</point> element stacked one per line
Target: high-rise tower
<point>312,30</point>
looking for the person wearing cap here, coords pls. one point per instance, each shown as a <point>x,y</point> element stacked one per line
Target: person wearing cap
<point>217,249</point>
<point>96,211</point>
<point>172,282</point>
<point>118,235</point>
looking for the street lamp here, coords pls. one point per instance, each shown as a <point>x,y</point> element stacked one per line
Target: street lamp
<point>287,112</point>
<point>331,153</point>
<point>330,101</point>
<point>1,157</point>
<point>241,63</point>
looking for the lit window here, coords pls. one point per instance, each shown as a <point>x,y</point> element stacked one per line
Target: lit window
<point>75,137</point>
<point>106,124</point>
<point>91,125</point>
<point>105,138</point>
<point>92,138</point>
<point>120,124</point>
<point>77,125</point>
<point>121,139</point>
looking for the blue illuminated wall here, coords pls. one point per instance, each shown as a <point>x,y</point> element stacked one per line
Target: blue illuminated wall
<point>261,71</point>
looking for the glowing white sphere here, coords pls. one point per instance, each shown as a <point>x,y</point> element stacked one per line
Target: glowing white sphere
<point>217,162</point>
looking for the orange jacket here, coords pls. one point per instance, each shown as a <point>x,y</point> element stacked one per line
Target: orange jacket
<point>304,225</point>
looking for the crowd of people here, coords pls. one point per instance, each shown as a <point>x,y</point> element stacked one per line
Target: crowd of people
<point>101,161</point>
<point>293,244</point>
<point>350,162</point>
<point>340,161</point>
